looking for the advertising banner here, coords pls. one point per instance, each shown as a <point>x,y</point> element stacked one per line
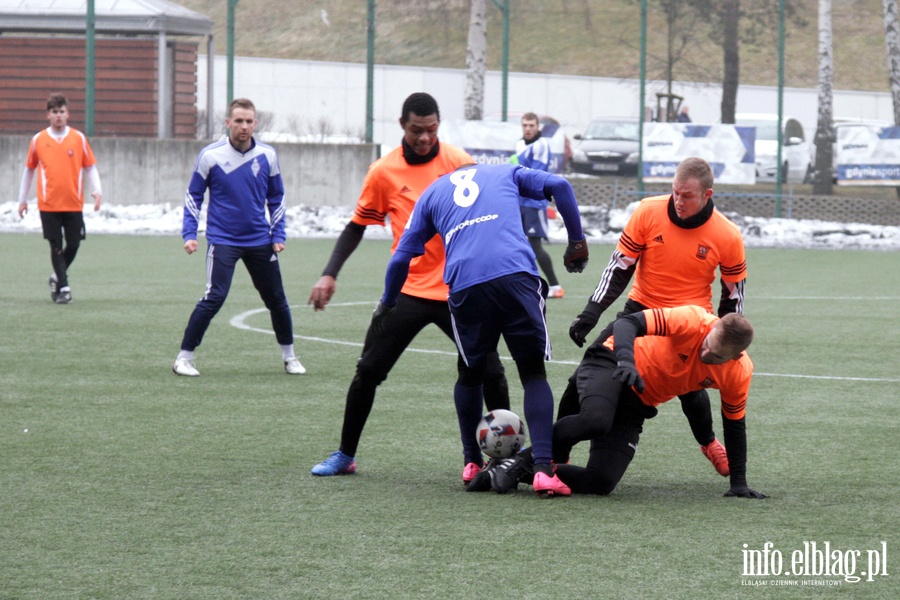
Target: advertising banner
<point>867,155</point>
<point>729,149</point>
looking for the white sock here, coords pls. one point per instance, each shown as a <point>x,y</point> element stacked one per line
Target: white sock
<point>287,351</point>
<point>188,354</point>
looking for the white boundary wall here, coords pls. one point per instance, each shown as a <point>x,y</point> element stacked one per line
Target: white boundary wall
<point>301,93</point>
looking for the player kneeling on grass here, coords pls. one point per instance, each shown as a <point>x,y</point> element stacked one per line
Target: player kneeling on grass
<point>653,356</point>
<point>495,289</point>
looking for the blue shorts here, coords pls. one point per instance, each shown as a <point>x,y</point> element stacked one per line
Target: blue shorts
<point>534,222</point>
<point>511,306</point>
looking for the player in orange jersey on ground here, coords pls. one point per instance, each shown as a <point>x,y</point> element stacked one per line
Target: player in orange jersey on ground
<point>60,155</point>
<point>391,189</point>
<point>672,245</point>
<point>652,356</point>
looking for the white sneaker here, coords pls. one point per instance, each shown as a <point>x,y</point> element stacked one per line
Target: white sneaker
<point>185,367</point>
<point>292,366</point>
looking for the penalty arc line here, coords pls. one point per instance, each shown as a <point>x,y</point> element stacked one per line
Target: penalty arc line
<point>239,322</point>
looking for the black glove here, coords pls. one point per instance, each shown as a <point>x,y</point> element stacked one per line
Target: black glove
<point>575,257</point>
<point>742,491</point>
<point>379,316</point>
<point>626,374</point>
<point>582,325</point>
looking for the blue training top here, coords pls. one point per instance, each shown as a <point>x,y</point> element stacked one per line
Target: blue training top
<point>242,185</point>
<point>476,211</point>
<point>535,155</point>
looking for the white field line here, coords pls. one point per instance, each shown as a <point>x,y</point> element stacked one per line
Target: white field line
<point>239,321</point>
<point>841,298</point>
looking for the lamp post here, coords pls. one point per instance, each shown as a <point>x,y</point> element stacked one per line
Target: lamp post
<point>640,173</point>
<point>89,68</point>
<point>231,6</point>
<point>504,8</point>
<point>779,164</point>
<point>370,72</point>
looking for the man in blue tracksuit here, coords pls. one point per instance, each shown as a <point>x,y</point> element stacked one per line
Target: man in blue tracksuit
<point>245,221</point>
<point>495,289</point>
<point>533,151</point>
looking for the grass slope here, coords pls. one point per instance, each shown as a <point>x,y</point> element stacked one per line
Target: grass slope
<point>599,38</point>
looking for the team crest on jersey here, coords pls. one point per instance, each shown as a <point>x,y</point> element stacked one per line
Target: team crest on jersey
<point>71,153</point>
<point>702,251</point>
<point>255,167</point>
<point>708,382</point>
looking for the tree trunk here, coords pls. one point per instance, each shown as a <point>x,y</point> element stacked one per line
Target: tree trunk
<point>476,58</point>
<point>732,58</point>
<point>822,178</point>
<point>892,41</point>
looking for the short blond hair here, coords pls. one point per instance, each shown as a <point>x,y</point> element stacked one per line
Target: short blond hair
<point>695,168</point>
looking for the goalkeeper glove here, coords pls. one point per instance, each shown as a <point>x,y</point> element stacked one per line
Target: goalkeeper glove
<point>575,257</point>
<point>583,324</point>
<point>626,374</point>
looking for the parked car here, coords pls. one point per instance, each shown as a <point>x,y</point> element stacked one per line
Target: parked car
<point>837,124</point>
<point>608,146</point>
<point>795,151</point>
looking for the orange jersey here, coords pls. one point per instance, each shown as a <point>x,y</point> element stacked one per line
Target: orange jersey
<point>391,188</point>
<point>677,266</point>
<point>668,360</point>
<point>60,186</point>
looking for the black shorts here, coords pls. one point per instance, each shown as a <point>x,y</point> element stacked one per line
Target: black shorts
<point>511,306</point>
<point>53,224</point>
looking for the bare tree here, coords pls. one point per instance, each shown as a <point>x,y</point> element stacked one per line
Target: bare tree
<point>681,33</point>
<point>476,59</point>
<point>892,41</point>
<point>822,177</point>
<point>730,25</point>
<point>678,38</point>
<point>731,57</point>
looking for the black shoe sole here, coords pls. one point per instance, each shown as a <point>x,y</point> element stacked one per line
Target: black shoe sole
<point>481,482</point>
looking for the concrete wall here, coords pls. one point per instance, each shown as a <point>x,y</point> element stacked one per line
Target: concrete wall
<point>302,94</point>
<point>145,171</point>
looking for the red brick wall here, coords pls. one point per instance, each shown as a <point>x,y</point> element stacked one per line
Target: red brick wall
<point>125,84</point>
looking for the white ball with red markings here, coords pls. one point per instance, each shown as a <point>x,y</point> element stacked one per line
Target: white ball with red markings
<point>501,433</point>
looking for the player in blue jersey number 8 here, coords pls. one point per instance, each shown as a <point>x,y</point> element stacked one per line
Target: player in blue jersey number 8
<point>493,293</point>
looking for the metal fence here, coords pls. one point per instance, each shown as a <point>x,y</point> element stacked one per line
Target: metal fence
<point>595,191</point>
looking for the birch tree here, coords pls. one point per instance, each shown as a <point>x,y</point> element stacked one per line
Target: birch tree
<point>892,41</point>
<point>476,59</point>
<point>822,175</point>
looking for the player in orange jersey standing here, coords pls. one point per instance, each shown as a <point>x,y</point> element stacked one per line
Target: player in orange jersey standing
<point>652,356</point>
<point>61,155</point>
<point>672,245</point>
<point>391,189</point>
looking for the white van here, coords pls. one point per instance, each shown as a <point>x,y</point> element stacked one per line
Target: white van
<point>795,149</point>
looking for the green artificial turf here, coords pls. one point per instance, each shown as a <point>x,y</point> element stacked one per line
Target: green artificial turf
<point>133,483</point>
